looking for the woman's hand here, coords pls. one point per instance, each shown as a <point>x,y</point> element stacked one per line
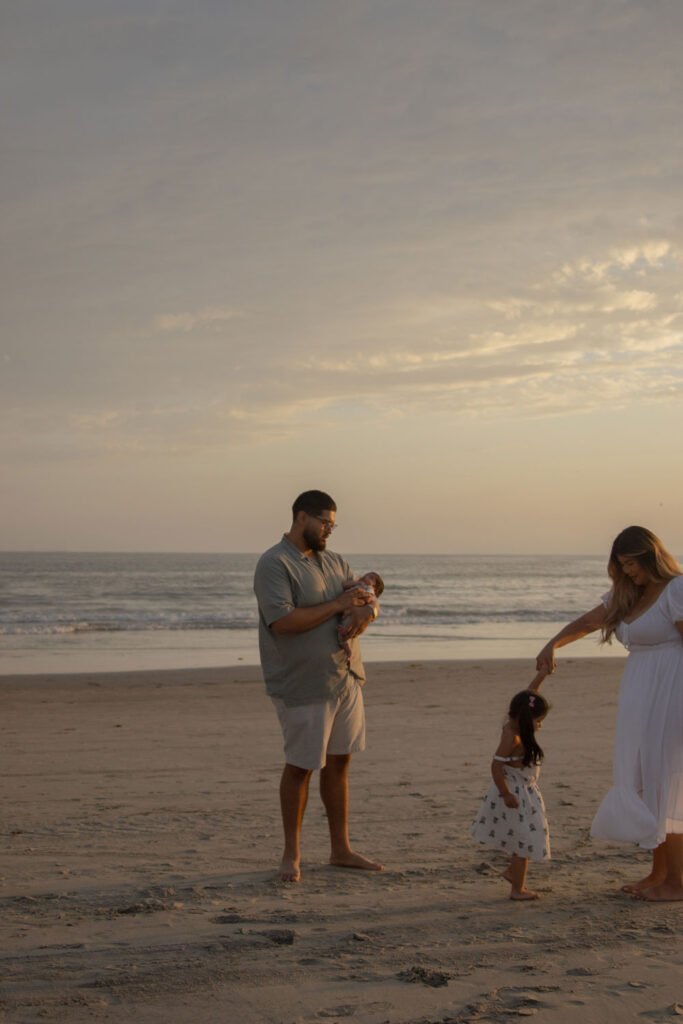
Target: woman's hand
<point>510,800</point>
<point>585,624</point>
<point>545,661</point>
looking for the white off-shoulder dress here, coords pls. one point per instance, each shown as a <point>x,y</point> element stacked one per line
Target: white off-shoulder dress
<point>645,803</point>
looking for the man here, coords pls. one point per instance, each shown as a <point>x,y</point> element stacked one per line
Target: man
<point>315,689</point>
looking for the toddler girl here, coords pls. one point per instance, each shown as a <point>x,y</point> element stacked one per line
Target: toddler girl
<point>512,816</point>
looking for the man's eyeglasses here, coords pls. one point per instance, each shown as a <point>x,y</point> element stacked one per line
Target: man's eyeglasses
<point>327,525</point>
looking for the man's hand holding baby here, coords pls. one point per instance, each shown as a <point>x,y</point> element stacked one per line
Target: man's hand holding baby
<point>356,621</point>
<point>352,597</point>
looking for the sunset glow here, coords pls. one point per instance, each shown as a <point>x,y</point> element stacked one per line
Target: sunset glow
<point>425,256</point>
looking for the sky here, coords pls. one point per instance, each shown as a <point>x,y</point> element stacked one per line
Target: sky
<point>425,255</point>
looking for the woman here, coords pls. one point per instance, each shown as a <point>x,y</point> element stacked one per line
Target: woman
<point>644,610</point>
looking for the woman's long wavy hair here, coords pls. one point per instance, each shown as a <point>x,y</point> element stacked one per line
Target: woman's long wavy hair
<point>648,551</point>
<point>525,707</point>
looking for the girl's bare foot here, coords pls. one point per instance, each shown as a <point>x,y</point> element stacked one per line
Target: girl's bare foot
<point>515,874</point>
<point>518,894</point>
<point>524,894</point>
<point>289,870</point>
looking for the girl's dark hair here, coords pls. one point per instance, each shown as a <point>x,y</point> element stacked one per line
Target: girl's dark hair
<point>524,708</point>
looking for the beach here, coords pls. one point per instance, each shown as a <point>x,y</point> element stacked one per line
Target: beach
<point>141,830</point>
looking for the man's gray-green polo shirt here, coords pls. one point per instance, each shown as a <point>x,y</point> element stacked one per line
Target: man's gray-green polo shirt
<point>310,667</point>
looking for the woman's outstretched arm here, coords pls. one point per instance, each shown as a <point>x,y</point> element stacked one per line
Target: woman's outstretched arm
<point>585,624</point>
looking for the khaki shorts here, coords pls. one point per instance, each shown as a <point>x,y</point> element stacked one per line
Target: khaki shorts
<point>312,731</point>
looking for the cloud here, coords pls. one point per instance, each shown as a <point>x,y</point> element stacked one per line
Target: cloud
<point>633,300</point>
<point>576,340</point>
<point>461,209</point>
<point>184,323</point>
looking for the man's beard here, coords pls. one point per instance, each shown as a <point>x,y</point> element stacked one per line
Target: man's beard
<point>314,541</point>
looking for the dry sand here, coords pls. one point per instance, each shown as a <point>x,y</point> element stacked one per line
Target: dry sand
<point>141,830</point>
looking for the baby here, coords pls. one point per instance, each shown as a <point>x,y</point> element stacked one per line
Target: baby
<point>373,585</point>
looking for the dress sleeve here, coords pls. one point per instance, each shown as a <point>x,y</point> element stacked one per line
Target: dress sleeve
<point>674,599</point>
<point>605,597</point>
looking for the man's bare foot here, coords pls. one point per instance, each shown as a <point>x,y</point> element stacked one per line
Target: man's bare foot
<point>355,860</point>
<point>524,894</point>
<point>289,870</point>
<point>661,893</point>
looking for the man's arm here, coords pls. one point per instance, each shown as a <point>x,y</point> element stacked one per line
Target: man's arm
<point>358,620</point>
<point>300,620</point>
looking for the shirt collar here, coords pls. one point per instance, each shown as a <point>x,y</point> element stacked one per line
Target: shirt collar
<point>313,557</point>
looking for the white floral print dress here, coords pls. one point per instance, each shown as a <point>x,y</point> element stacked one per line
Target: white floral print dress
<point>520,830</point>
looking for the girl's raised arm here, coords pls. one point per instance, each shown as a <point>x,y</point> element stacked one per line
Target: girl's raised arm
<point>535,683</point>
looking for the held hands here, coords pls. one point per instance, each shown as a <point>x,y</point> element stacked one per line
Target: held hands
<point>545,661</point>
<point>510,800</point>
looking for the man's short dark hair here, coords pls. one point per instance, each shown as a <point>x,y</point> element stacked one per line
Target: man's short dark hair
<point>313,503</point>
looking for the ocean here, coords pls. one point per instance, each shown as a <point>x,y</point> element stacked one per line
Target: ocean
<point>71,612</point>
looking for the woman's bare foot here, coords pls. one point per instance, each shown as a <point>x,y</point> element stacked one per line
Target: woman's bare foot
<point>350,859</point>
<point>658,870</point>
<point>289,870</point>
<point>645,883</point>
<point>661,893</point>
<point>524,894</point>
